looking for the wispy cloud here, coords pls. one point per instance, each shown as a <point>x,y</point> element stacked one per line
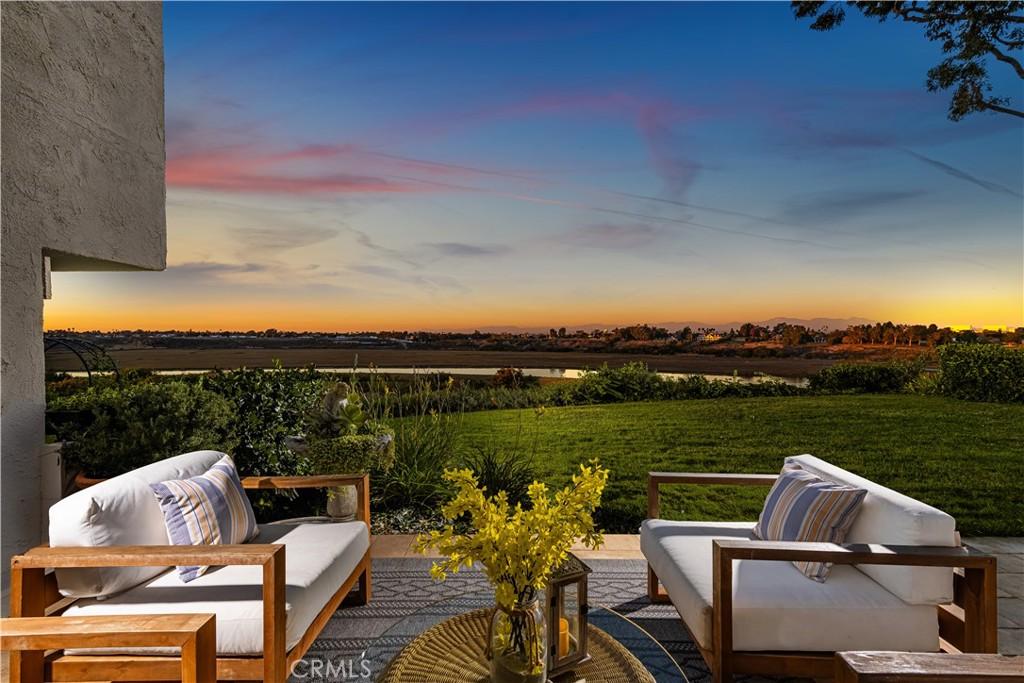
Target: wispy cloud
<point>676,170</point>
<point>237,170</point>
<point>824,208</point>
<point>615,236</point>
<point>313,169</point>
<point>282,239</point>
<point>212,269</point>
<point>427,281</point>
<point>963,175</point>
<point>461,249</point>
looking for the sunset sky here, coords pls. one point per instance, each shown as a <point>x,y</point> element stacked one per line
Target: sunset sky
<point>420,166</point>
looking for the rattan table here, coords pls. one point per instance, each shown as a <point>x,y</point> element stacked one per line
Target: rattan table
<point>453,652</point>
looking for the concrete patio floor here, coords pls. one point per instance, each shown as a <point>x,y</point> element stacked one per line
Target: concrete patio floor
<point>1010,581</point>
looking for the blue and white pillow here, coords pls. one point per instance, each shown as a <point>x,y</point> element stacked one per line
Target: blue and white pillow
<point>804,507</point>
<point>209,509</point>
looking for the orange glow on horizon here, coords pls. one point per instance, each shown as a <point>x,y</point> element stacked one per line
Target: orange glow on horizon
<point>308,319</point>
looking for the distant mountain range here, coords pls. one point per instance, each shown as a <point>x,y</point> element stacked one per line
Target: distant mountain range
<point>810,323</point>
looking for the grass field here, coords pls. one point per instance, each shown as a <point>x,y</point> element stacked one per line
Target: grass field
<point>964,458</point>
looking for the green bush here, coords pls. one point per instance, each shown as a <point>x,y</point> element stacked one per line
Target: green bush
<point>635,382</point>
<point>139,424</point>
<point>371,451</point>
<point>630,382</point>
<point>982,372</point>
<point>513,378</point>
<point>697,387</point>
<point>872,378</point>
<point>926,384</point>
<point>269,405</point>
<point>497,470</point>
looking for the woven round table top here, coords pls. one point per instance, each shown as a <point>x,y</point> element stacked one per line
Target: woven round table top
<point>453,652</point>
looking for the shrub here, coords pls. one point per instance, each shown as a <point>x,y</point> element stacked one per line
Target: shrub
<point>141,423</point>
<point>631,382</point>
<point>887,377</point>
<point>373,450</point>
<point>513,378</point>
<point>268,406</point>
<point>497,470</point>
<point>926,384</point>
<point>982,372</point>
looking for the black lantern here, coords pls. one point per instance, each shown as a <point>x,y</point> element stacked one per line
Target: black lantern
<point>567,616</point>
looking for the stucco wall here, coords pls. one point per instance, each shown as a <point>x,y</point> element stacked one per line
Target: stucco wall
<point>82,156</point>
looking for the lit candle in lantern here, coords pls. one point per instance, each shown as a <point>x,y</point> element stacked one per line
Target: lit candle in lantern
<point>563,637</point>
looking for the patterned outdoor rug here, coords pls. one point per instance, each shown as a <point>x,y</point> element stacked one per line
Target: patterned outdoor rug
<point>358,642</point>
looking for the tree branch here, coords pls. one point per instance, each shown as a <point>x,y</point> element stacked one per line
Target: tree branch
<point>1003,110</point>
<point>1007,59</point>
<point>1012,44</point>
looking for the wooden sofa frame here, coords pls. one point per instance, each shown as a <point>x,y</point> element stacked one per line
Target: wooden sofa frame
<point>34,594</point>
<point>967,625</point>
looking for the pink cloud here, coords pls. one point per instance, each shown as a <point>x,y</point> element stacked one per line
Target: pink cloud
<point>309,169</point>
<point>231,171</point>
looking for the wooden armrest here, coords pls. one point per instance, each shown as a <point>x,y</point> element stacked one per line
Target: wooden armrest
<point>316,481</point>
<point>712,478</point>
<point>655,479</point>
<point>858,553</point>
<point>45,557</point>
<point>122,630</point>
<point>319,481</point>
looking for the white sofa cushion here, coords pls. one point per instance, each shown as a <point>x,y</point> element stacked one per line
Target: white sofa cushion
<point>889,517</point>
<point>119,511</point>
<point>318,559</point>
<point>775,607</point>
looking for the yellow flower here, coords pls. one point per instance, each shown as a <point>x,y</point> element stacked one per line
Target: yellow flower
<point>518,548</point>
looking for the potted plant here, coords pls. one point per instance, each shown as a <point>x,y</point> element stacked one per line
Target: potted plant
<point>518,547</point>
<point>341,439</point>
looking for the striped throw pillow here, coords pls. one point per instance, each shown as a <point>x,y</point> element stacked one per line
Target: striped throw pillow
<point>804,507</point>
<point>209,509</point>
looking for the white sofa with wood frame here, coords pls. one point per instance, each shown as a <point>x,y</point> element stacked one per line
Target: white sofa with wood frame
<point>892,586</point>
<point>271,596</point>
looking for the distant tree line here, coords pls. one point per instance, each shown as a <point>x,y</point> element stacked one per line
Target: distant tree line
<point>640,338</point>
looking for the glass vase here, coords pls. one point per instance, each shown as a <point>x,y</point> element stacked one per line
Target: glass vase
<point>517,644</point>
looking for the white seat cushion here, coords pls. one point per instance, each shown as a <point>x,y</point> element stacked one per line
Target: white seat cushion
<point>776,607</point>
<point>889,517</point>
<point>119,511</point>
<point>318,559</point>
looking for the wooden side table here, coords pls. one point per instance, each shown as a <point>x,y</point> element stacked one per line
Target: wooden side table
<point>195,634</point>
<point>919,667</point>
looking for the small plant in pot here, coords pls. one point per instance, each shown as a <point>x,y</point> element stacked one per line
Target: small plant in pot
<point>341,439</point>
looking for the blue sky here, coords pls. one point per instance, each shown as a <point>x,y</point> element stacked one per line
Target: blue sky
<point>355,166</point>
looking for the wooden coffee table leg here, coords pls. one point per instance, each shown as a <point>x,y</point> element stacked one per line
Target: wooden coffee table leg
<point>199,655</point>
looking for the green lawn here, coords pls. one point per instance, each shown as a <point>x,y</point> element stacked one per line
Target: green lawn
<point>964,458</point>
